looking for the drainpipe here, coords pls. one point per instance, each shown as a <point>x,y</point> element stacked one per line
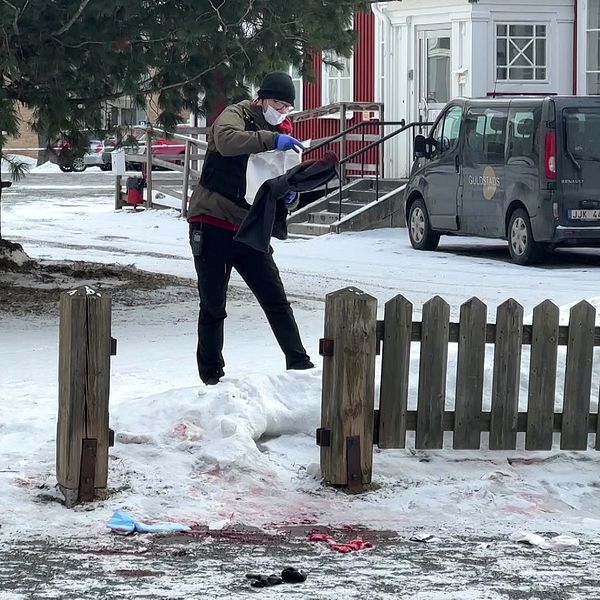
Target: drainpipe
<point>387,23</point>
<point>575,24</point>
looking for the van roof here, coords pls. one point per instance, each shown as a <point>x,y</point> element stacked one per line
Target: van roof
<point>559,101</point>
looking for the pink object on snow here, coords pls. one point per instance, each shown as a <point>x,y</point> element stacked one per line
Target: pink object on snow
<point>354,545</point>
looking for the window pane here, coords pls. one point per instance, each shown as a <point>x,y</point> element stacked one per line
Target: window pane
<point>521,30</point>
<point>593,14</point>
<point>495,128</point>
<point>298,88</point>
<point>520,73</point>
<point>540,74</point>
<point>501,30</point>
<point>540,53</point>
<point>593,84</point>
<point>582,129</point>
<point>501,53</point>
<point>346,90</point>
<point>333,91</point>
<point>593,50</point>
<point>501,73</point>
<point>438,70</point>
<point>523,135</point>
<point>522,60</point>
<point>474,129</point>
<point>540,30</point>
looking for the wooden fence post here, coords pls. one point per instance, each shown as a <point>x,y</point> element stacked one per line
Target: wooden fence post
<point>348,397</point>
<point>82,437</point>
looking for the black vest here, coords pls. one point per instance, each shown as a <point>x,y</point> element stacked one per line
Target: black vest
<point>226,175</point>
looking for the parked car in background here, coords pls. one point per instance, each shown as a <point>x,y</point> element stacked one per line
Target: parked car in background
<point>135,143</point>
<point>97,152</point>
<point>71,159</point>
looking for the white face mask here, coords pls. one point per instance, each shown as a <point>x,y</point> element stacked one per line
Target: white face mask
<point>272,116</point>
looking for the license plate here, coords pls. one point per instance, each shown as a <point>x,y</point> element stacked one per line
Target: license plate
<point>584,214</point>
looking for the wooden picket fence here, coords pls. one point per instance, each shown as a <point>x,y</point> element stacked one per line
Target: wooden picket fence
<point>354,337</point>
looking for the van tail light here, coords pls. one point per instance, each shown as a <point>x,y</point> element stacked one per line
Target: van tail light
<point>550,156</point>
<point>555,211</point>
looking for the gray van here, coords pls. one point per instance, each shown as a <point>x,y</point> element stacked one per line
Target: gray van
<point>524,169</point>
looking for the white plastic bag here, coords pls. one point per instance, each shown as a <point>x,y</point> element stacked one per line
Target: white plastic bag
<point>267,165</point>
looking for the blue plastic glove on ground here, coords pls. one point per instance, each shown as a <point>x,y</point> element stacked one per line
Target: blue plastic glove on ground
<point>287,142</point>
<point>122,523</point>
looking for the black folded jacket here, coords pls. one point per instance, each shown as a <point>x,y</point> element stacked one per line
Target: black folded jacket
<point>268,215</point>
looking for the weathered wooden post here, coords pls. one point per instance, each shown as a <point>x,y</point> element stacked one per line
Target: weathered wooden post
<point>349,349</point>
<point>83,436</point>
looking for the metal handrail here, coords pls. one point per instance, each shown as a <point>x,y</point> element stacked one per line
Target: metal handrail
<point>377,144</point>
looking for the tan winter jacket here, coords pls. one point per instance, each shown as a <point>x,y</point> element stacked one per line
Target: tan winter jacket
<point>228,137</point>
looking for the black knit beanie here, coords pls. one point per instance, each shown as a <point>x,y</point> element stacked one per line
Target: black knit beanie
<point>278,86</point>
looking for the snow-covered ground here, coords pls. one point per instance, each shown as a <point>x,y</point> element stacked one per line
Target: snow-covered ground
<point>243,452</point>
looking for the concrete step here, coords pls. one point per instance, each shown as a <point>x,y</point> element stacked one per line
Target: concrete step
<point>364,196</point>
<point>323,217</point>
<point>347,207</point>
<point>308,229</point>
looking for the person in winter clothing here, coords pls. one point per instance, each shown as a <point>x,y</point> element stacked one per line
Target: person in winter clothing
<point>217,208</point>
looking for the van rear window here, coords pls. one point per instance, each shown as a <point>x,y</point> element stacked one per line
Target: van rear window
<point>582,133</point>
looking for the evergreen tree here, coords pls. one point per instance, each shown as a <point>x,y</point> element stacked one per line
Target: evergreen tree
<point>65,58</point>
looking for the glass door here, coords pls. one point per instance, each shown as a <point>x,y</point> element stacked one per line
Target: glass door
<point>434,72</point>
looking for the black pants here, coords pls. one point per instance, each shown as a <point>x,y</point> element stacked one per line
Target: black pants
<point>215,254</point>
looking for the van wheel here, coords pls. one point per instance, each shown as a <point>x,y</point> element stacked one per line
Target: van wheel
<point>422,237</point>
<point>524,250</point>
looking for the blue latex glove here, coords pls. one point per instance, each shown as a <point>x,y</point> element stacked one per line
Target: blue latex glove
<point>287,142</point>
<point>122,523</point>
<point>292,200</point>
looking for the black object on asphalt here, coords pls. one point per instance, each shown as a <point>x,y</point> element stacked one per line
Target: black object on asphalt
<point>261,581</point>
<point>292,575</point>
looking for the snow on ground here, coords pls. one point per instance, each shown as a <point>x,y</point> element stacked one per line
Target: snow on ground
<point>243,452</point>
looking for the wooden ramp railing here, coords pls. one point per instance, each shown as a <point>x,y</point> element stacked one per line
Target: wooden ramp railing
<point>525,372</point>
<point>182,163</point>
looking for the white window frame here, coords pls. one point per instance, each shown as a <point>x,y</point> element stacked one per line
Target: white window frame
<point>339,77</point>
<point>297,78</point>
<point>589,30</point>
<point>535,65</point>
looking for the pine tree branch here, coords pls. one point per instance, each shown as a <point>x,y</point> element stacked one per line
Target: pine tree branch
<point>72,20</point>
<point>218,13</point>
<point>17,14</point>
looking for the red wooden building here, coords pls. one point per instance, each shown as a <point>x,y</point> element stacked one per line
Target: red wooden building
<point>318,103</point>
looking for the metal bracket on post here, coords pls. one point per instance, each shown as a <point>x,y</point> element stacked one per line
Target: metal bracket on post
<point>113,346</point>
<point>87,473</point>
<point>376,421</point>
<point>353,467</point>
<point>323,437</point>
<point>325,347</point>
